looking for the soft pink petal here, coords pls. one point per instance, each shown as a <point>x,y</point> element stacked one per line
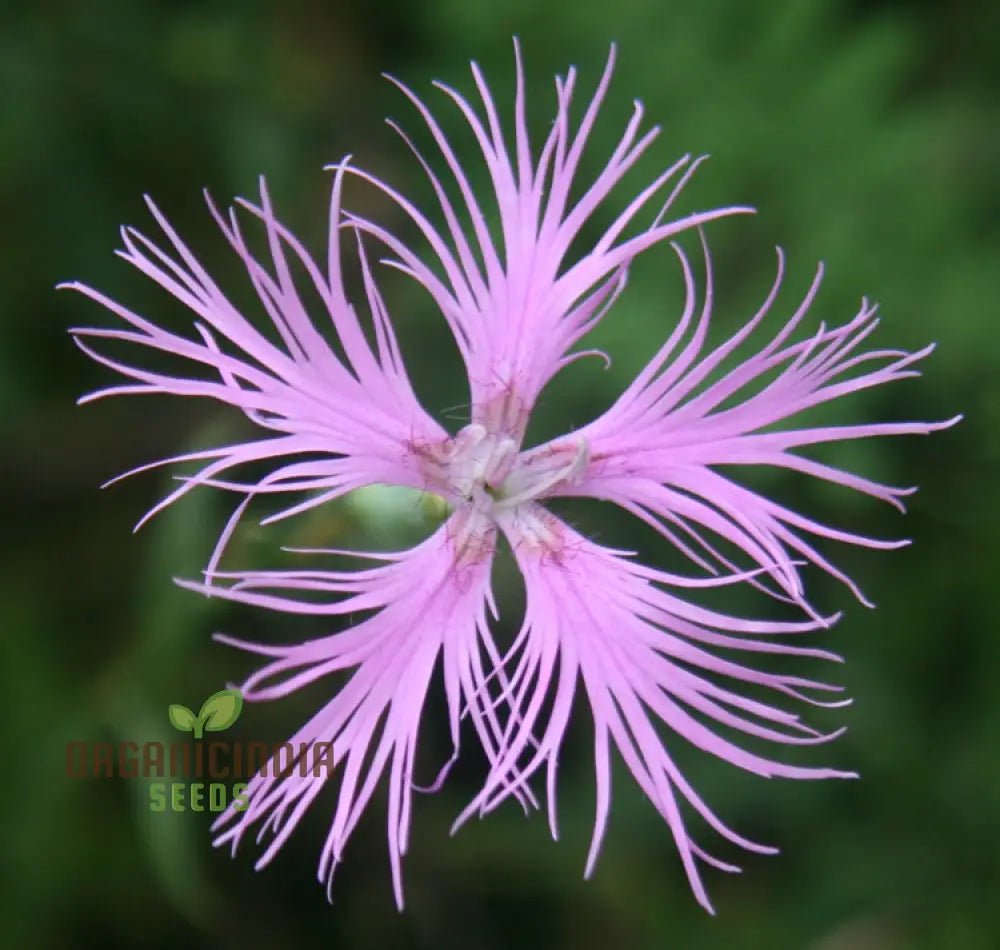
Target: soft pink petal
<point>658,449</point>
<point>355,417</point>
<point>429,604</point>
<point>516,310</point>
<point>640,651</point>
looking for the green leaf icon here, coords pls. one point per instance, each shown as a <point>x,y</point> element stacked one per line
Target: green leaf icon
<point>221,710</point>
<point>181,717</point>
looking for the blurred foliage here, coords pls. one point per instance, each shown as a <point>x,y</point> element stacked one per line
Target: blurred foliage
<point>866,134</point>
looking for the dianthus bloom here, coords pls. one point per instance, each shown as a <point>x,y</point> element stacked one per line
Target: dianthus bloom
<point>644,653</point>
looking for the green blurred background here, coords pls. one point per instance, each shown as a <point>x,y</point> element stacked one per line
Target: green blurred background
<point>867,135</point>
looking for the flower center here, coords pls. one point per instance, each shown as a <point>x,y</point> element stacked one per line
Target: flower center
<point>488,470</point>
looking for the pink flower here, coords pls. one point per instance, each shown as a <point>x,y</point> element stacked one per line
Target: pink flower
<point>643,652</point>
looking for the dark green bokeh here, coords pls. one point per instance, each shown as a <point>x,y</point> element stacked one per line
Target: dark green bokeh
<point>865,133</point>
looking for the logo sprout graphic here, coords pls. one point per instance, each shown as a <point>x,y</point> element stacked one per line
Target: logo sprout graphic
<point>218,712</point>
